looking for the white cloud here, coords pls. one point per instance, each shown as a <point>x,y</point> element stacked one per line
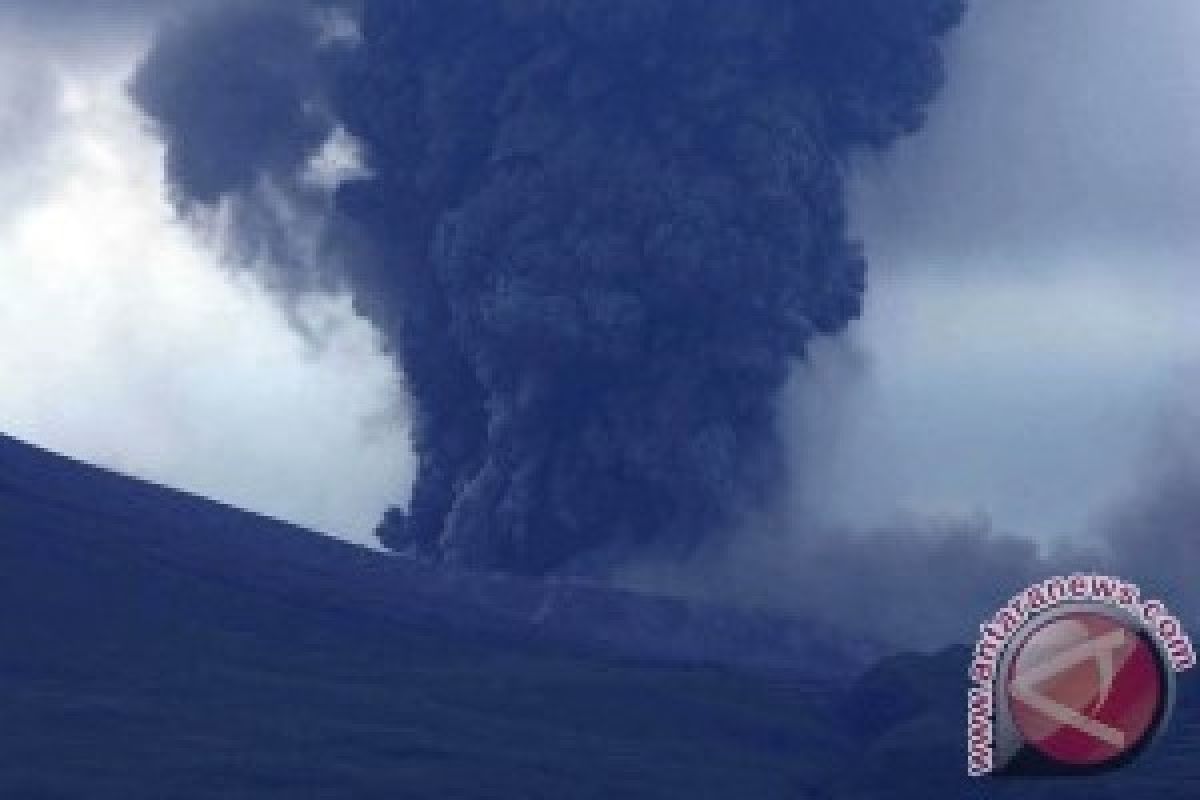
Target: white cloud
<point>125,340</point>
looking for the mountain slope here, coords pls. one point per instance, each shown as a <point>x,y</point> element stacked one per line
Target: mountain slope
<point>84,510</point>
<point>156,645</point>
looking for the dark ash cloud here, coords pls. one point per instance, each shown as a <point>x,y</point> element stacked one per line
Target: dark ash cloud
<point>235,90</point>
<point>597,236</point>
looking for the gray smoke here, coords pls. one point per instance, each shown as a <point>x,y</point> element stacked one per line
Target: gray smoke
<point>600,236</point>
<point>1019,398</point>
<point>597,235</point>
<point>1154,534</point>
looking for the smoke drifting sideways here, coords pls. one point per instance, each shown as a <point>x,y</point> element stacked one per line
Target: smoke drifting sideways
<point>596,237</point>
<point>1019,398</point>
<point>920,579</point>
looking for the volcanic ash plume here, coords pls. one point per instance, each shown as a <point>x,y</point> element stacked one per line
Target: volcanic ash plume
<point>596,236</point>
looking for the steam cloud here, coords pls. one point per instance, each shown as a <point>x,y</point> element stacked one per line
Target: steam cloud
<point>596,236</point>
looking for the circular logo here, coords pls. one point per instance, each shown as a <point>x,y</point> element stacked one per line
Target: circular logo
<point>1087,689</point>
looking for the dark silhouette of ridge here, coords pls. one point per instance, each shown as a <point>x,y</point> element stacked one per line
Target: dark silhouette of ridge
<point>158,645</point>
<point>155,645</point>
<point>75,510</point>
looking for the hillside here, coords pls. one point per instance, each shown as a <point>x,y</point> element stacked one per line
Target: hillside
<point>157,645</point>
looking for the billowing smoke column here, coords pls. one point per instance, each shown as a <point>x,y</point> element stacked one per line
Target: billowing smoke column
<point>596,236</point>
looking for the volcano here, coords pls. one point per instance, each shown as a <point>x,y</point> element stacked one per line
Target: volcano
<point>156,644</point>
